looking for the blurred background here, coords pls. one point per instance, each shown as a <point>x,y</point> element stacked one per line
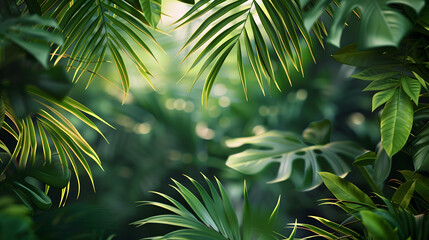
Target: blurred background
<point>166,133</point>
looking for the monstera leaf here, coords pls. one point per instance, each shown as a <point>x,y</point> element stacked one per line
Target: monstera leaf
<point>381,24</point>
<point>298,161</point>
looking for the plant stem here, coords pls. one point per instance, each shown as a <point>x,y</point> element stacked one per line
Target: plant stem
<point>370,181</point>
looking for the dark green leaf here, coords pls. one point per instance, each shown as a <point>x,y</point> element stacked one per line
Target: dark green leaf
<point>364,159</point>
<point>318,132</point>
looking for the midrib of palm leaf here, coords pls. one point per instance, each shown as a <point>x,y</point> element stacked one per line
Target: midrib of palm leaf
<point>221,45</point>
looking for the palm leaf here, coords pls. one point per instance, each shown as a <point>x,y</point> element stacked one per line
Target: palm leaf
<point>229,24</point>
<point>212,216</point>
<point>55,132</point>
<point>92,27</point>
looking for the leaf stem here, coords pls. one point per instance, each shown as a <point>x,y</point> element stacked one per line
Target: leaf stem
<point>370,181</point>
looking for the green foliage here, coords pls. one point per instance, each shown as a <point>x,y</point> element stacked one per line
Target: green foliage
<point>231,24</point>
<point>152,11</point>
<point>299,161</point>
<point>40,145</point>
<point>15,222</point>
<point>213,217</point>
<point>346,192</point>
<point>34,40</point>
<point>396,122</point>
<point>392,25</point>
<point>93,29</point>
<point>391,220</point>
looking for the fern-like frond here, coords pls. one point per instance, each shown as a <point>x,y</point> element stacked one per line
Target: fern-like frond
<point>95,29</point>
<point>253,28</point>
<point>212,217</point>
<point>52,131</point>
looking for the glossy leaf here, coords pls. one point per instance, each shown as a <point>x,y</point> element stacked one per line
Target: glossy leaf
<point>396,122</point>
<point>422,183</point>
<point>382,84</point>
<point>152,11</point>
<point>346,191</point>
<point>412,88</point>
<point>377,226</point>
<point>382,166</point>
<point>298,161</point>
<point>404,193</point>
<point>364,159</point>
<point>382,97</point>
<point>371,74</point>
<point>350,55</point>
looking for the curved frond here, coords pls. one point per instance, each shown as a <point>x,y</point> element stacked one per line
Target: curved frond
<point>94,30</point>
<point>212,216</point>
<point>51,131</point>
<point>254,29</point>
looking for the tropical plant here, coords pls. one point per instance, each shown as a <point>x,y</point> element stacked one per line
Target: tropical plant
<point>211,218</point>
<point>392,219</point>
<point>42,42</point>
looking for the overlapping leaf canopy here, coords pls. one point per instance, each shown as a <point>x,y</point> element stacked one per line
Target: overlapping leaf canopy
<point>234,24</point>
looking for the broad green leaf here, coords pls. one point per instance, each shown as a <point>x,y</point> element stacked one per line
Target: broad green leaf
<point>364,159</point>
<point>346,191</point>
<point>404,193</point>
<point>377,227</point>
<point>52,174</point>
<point>382,84</point>
<point>35,195</point>
<point>318,132</point>
<point>298,161</point>
<point>396,122</point>
<point>350,55</point>
<point>382,166</point>
<point>372,74</point>
<point>382,97</point>
<point>392,25</point>
<point>152,11</point>
<point>421,81</point>
<point>412,87</point>
<point>422,183</point>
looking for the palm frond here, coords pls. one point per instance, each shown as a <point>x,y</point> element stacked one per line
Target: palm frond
<point>51,129</point>
<point>229,24</point>
<point>95,29</point>
<point>212,216</point>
